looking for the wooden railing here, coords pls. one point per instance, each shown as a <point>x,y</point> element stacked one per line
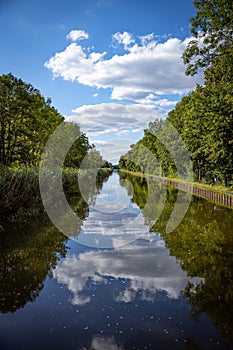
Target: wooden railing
<point>217,197</point>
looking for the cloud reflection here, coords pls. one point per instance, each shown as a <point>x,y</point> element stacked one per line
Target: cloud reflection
<point>113,220</point>
<point>104,343</point>
<point>146,267</point>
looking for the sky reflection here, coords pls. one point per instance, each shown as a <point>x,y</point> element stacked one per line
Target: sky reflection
<point>145,266</point>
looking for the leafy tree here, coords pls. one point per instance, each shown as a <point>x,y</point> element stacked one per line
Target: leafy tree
<point>204,119</point>
<point>218,107</point>
<point>26,121</point>
<point>212,28</point>
<point>93,159</point>
<point>107,165</point>
<point>78,150</point>
<point>189,120</point>
<point>159,152</point>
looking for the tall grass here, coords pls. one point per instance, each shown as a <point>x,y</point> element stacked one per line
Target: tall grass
<point>19,194</point>
<point>20,198</point>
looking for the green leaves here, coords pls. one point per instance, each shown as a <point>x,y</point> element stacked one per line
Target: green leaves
<point>204,120</point>
<point>26,121</point>
<point>212,28</point>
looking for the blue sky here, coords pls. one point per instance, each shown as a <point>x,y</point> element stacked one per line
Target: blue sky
<point>110,65</point>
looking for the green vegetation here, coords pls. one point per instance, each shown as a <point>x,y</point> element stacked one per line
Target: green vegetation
<point>156,153</point>
<point>16,199</point>
<point>27,120</point>
<point>212,28</point>
<point>203,118</point>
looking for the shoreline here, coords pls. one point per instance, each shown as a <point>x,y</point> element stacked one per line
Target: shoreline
<point>213,194</point>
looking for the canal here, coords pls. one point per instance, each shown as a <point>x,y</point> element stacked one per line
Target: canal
<point>124,281</point>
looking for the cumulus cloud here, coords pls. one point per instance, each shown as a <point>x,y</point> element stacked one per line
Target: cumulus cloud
<point>113,117</point>
<point>112,150</point>
<point>121,123</point>
<point>165,103</point>
<point>124,38</point>
<point>142,78</point>
<point>145,67</point>
<point>129,263</point>
<point>75,35</point>
<point>146,38</point>
<point>73,63</point>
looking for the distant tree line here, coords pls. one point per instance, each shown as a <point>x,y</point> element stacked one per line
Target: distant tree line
<point>203,118</point>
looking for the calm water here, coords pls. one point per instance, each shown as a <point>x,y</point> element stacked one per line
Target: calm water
<point>123,282</point>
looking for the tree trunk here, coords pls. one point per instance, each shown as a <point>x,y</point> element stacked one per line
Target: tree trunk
<point>225,181</point>
<point>2,146</point>
<point>199,171</point>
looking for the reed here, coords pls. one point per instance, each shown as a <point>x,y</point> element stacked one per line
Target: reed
<point>19,194</point>
<point>20,199</point>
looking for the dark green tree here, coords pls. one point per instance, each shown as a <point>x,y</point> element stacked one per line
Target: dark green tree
<point>190,121</point>
<point>26,121</point>
<point>78,151</point>
<point>218,110</point>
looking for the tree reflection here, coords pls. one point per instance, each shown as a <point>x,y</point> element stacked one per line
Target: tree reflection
<point>30,252</point>
<point>203,244</point>
<point>27,256</point>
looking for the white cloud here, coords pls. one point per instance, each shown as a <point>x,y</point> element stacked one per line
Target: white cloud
<point>113,117</point>
<point>117,147</point>
<point>103,143</point>
<point>73,63</point>
<point>146,73</point>
<point>124,38</point>
<point>118,123</point>
<point>75,35</point>
<point>149,67</point>
<point>165,103</point>
<point>146,38</point>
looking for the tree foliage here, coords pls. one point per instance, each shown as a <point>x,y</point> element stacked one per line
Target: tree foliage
<point>203,118</point>
<point>149,155</point>
<point>212,28</point>
<point>27,120</point>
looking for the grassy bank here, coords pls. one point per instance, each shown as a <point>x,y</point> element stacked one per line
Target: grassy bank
<point>19,194</point>
<point>217,194</point>
<point>20,199</point>
<point>218,188</point>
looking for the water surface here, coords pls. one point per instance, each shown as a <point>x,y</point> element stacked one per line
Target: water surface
<point>123,282</point>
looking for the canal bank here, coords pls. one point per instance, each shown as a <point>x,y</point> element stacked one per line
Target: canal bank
<point>221,197</point>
